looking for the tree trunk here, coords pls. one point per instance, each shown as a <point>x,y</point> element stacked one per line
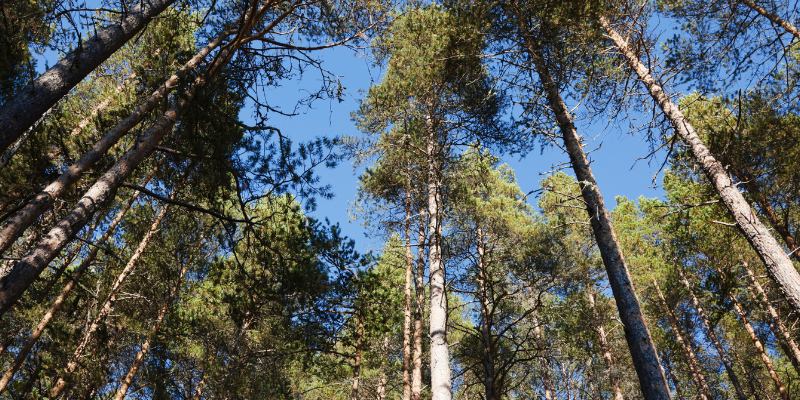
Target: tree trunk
<point>779,266</point>
<point>691,359</point>
<point>44,199</point>
<point>675,381</point>
<point>486,321</point>
<point>778,327</point>
<point>713,336</point>
<point>145,348</point>
<point>416,375</point>
<point>547,380</point>
<point>359,343</point>
<point>22,111</point>
<point>440,353</point>
<point>760,348</point>
<point>105,308</point>
<point>407,306</point>
<point>651,376</point>
<point>100,107</point>
<point>608,357</point>
<point>773,18</point>
<point>22,353</point>
<point>20,278</point>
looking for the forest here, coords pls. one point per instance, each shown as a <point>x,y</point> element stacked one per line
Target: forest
<point>158,238</point>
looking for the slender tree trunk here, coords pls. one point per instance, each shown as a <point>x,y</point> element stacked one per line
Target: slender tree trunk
<point>105,308</point>
<point>407,306</point>
<point>145,348</point>
<point>675,381</point>
<point>760,348</point>
<point>380,390</point>
<point>22,111</point>
<point>23,218</point>
<point>20,278</point>
<point>102,106</point>
<point>12,151</point>
<point>23,352</point>
<point>440,353</point>
<point>359,343</point>
<point>608,357</point>
<point>547,379</point>
<point>416,375</point>
<point>713,336</point>
<point>651,376</point>
<point>773,18</point>
<point>691,359</point>
<point>779,266</point>
<point>486,321</point>
<point>748,375</point>
<point>778,327</point>
<point>29,384</point>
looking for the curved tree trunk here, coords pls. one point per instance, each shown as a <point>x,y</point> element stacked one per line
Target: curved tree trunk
<point>22,111</point>
<point>652,380</point>
<point>779,266</point>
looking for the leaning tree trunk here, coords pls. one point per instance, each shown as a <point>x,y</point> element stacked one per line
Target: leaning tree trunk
<point>109,300</point>
<point>44,199</point>
<point>759,348</point>
<point>608,358</point>
<point>20,278</point>
<point>416,374</point>
<point>713,336</point>
<point>651,376</point>
<point>779,266</point>
<point>773,18</point>
<point>22,353</point>
<point>145,348</point>
<point>440,353</point>
<point>779,329</point>
<point>696,372</point>
<point>407,328</point>
<point>22,111</point>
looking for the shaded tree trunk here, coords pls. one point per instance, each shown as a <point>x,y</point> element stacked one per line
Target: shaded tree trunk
<point>695,370</point>
<point>608,357</point>
<point>713,336</point>
<point>779,266</point>
<point>547,380</point>
<point>23,352</point>
<point>359,343</point>
<point>779,329</point>
<point>416,375</point>
<point>23,218</point>
<point>22,111</point>
<point>407,328</point>
<point>489,383</point>
<point>651,376</point>
<point>759,348</point>
<point>145,347</point>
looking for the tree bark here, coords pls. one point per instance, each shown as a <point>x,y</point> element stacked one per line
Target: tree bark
<point>713,336</point>
<point>22,353</point>
<point>547,380</point>
<point>109,300</point>
<point>407,354</point>
<point>20,278</point>
<point>359,343</point>
<point>440,353</point>
<point>145,348</point>
<point>489,383</point>
<point>17,224</point>
<point>651,376</point>
<point>608,357</point>
<point>779,266</point>
<point>22,111</point>
<point>760,348</point>
<point>695,370</point>
<point>416,375</point>
<point>773,18</point>
<point>779,329</point>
